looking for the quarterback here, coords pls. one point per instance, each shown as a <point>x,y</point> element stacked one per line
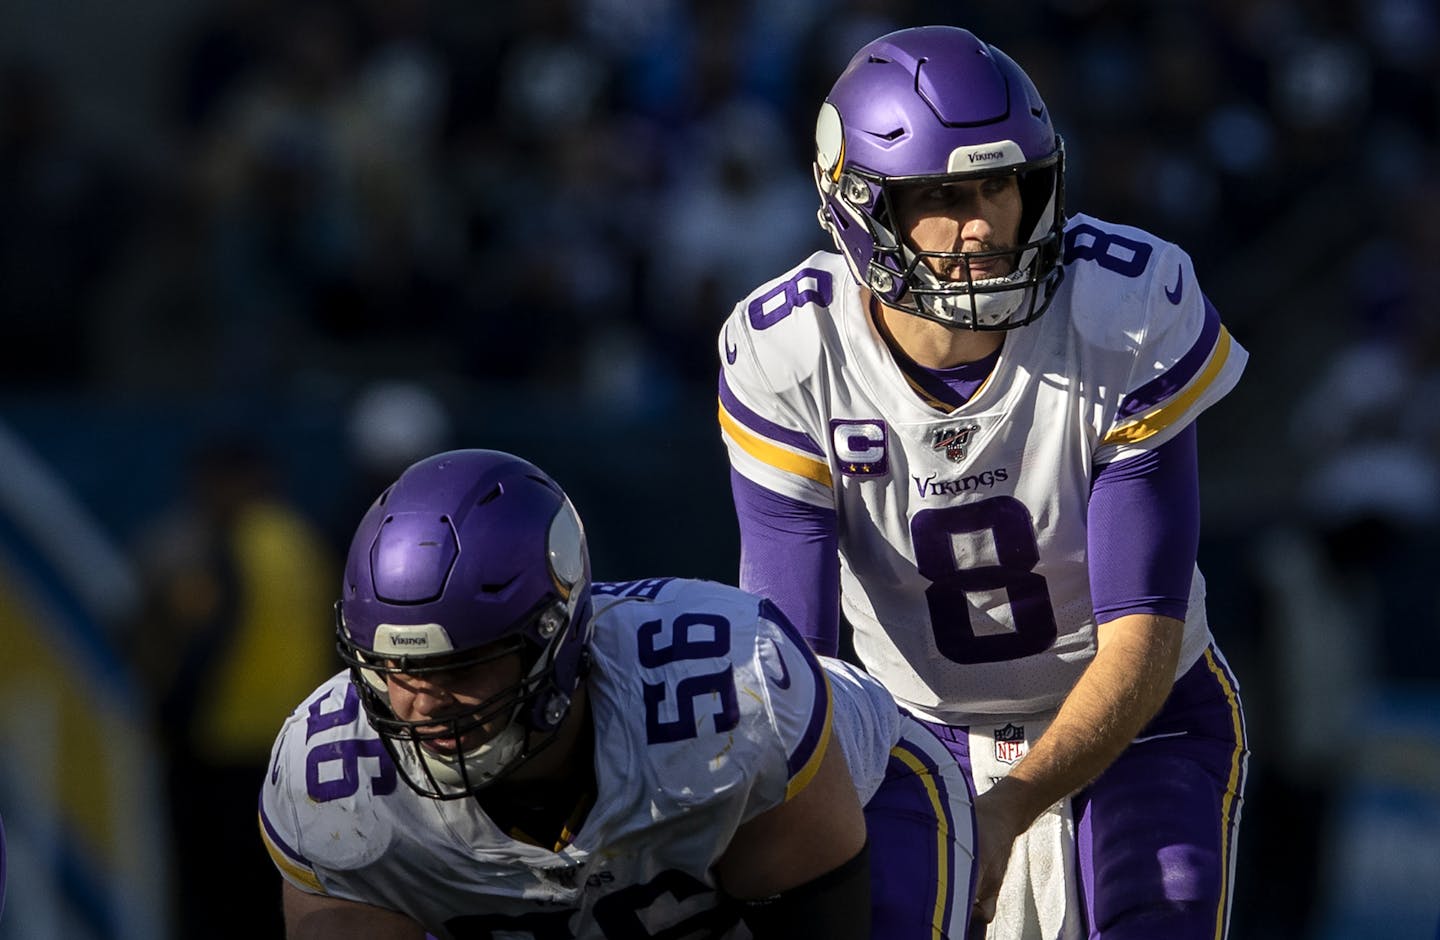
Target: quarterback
<point>968,434</point>
<point>516,751</point>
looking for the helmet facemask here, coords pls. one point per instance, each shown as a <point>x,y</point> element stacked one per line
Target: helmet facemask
<point>904,278</point>
<point>525,714</point>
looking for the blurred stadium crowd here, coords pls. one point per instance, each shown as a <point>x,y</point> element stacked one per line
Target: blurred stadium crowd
<point>257,254</point>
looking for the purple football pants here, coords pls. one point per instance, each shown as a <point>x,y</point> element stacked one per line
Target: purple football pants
<point>1155,833</point>
<point>921,827</point>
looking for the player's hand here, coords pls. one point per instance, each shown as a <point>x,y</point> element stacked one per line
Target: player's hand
<point>998,823</point>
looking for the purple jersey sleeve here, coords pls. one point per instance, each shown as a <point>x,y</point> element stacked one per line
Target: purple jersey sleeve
<point>1144,531</point>
<point>789,553</point>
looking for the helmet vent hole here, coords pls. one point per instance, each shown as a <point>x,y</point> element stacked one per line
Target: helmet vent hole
<point>491,496</point>
<point>496,588</point>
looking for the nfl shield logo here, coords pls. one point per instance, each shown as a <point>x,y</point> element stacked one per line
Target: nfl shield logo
<point>1010,743</point>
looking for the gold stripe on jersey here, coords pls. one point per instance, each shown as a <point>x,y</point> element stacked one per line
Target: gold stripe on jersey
<point>811,767</point>
<point>297,873</point>
<point>942,831</point>
<point>1232,789</point>
<point>768,453</point>
<point>1153,422</point>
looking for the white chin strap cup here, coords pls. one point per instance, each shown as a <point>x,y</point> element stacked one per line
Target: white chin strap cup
<point>478,766</point>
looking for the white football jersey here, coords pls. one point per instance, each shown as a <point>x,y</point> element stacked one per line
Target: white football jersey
<point>963,533</point>
<point>707,713</point>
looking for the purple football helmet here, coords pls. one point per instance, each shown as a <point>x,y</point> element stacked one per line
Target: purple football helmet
<point>470,556</point>
<point>932,105</point>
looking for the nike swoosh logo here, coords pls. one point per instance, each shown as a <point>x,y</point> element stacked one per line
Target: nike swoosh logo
<point>1157,737</point>
<point>783,681</point>
<point>730,353</point>
<point>1174,295</point>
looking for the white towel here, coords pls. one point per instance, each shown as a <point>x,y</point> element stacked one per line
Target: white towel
<point>1040,897</point>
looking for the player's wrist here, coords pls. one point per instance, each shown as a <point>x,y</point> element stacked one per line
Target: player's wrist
<point>1016,800</point>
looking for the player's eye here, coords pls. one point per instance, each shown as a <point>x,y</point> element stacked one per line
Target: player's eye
<point>998,186</point>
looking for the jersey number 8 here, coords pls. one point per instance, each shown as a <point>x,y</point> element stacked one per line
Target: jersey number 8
<point>954,578</point>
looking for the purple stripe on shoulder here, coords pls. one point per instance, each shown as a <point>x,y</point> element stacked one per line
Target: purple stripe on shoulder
<point>280,843</point>
<point>1178,376</point>
<point>762,426</point>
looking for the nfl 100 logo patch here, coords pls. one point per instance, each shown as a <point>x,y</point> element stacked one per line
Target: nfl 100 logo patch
<point>954,441</point>
<point>1010,743</point>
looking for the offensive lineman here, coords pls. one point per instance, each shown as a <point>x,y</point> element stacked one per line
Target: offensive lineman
<point>514,749</point>
<point>1002,506</point>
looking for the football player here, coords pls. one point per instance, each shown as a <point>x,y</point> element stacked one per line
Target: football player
<point>969,433</point>
<point>517,751</point>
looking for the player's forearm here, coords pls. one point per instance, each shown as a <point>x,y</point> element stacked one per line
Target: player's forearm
<point>1116,696</point>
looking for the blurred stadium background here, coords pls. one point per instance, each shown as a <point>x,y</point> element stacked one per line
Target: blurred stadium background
<point>256,255</point>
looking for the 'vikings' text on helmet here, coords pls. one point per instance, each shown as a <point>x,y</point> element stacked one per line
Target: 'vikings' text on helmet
<point>469,556</point>
<point>934,104</point>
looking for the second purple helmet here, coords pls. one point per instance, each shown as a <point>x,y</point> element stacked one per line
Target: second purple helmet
<point>470,555</point>
<point>936,104</point>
